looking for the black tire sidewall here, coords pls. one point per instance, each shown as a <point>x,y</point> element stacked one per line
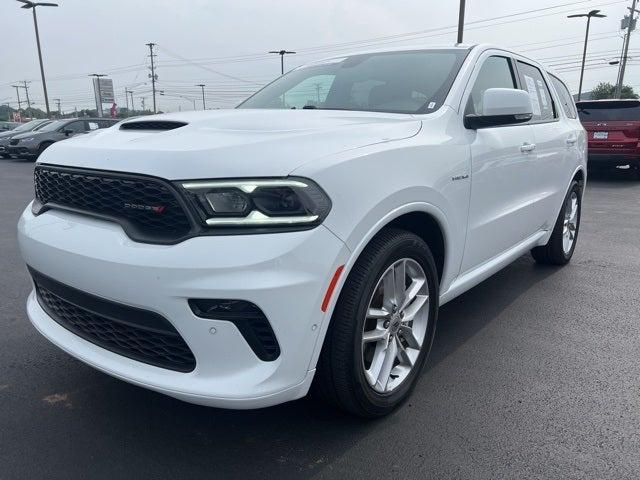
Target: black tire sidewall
<point>575,187</point>
<point>408,246</point>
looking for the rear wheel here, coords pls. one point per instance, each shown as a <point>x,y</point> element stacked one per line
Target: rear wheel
<point>560,247</point>
<point>382,327</point>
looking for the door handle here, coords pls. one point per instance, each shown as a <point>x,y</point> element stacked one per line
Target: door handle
<point>527,147</point>
<point>571,140</point>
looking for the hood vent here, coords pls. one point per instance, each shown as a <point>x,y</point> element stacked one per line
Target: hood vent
<point>152,125</point>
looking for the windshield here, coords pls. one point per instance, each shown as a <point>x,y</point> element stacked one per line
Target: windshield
<point>396,82</point>
<point>624,111</point>
<point>50,127</point>
<point>26,127</point>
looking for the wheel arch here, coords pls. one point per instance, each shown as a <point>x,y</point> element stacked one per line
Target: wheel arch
<point>408,217</point>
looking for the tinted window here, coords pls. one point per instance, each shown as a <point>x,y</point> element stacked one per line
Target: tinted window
<point>495,72</point>
<point>532,81</point>
<point>627,110</point>
<point>566,100</point>
<point>400,82</point>
<point>76,127</point>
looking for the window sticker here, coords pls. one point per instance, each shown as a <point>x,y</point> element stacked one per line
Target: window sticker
<point>543,95</point>
<point>533,94</point>
<point>431,105</point>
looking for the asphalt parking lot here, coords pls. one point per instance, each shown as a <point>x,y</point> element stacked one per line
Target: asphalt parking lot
<point>534,374</point>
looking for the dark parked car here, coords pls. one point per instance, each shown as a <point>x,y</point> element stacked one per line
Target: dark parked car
<point>4,126</point>
<point>613,128</point>
<point>32,144</point>
<point>31,126</point>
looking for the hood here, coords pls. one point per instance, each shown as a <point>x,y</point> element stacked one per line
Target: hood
<point>7,134</point>
<point>21,135</point>
<point>229,143</point>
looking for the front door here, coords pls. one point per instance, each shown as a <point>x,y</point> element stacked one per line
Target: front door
<point>502,164</point>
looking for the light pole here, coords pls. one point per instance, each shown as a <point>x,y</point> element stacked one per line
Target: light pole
<point>32,5</point>
<point>592,13</point>
<point>57,101</point>
<point>97,76</point>
<point>202,85</point>
<point>282,53</point>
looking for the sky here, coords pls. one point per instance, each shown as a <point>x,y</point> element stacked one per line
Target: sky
<point>225,44</point>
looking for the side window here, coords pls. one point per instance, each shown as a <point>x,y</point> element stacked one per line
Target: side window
<point>496,72</point>
<point>532,81</point>
<point>566,100</point>
<point>75,127</point>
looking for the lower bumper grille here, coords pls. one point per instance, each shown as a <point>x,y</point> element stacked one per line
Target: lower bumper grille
<point>132,332</point>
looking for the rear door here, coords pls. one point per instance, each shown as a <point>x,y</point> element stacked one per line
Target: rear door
<point>502,165</point>
<point>613,126</point>
<point>554,138</point>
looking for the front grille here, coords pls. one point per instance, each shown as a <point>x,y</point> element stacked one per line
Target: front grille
<point>134,333</point>
<point>147,208</point>
<point>13,142</point>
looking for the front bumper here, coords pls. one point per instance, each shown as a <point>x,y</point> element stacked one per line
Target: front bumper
<point>285,274</point>
<point>22,150</point>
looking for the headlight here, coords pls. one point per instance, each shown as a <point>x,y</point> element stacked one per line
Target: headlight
<point>28,139</point>
<point>286,202</point>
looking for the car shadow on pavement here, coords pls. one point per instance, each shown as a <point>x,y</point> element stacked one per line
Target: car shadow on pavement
<point>298,439</point>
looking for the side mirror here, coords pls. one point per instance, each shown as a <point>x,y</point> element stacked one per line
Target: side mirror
<point>68,132</point>
<point>501,106</point>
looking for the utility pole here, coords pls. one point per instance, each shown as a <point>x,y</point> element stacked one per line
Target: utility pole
<point>153,75</point>
<point>282,53</point>
<point>97,76</point>
<point>202,85</point>
<point>25,85</point>
<point>589,15</point>
<point>461,20</point>
<point>17,87</point>
<point>623,66</point>
<point>130,92</point>
<point>126,99</point>
<point>142,101</point>
<point>28,4</point>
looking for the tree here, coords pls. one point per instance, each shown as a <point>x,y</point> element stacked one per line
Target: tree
<point>607,90</point>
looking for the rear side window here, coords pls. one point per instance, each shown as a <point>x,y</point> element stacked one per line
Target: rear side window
<point>533,82</point>
<point>495,72</point>
<point>566,100</point>
<point>615,110</point>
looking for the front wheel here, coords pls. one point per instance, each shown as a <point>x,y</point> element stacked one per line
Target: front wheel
<point>560,247</point>
<point>382,327</point>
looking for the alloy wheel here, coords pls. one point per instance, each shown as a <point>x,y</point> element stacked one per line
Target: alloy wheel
<point>395,326</point>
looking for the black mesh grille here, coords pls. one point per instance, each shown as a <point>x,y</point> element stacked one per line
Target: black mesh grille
<point>147,208</point>
<point>153,342</point>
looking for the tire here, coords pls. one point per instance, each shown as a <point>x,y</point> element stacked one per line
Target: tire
<point>42,148</point>
<point>555,252</point>
<point>340,376</point>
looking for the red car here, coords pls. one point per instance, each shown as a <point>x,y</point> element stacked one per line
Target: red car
<point>613,128</point>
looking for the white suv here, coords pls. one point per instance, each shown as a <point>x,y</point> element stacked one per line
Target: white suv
<point>232,258</point>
